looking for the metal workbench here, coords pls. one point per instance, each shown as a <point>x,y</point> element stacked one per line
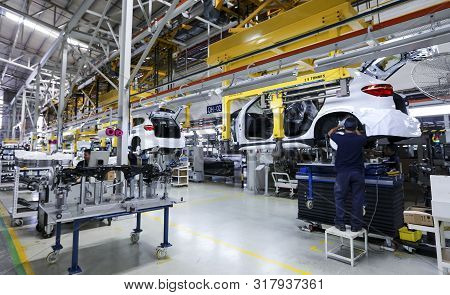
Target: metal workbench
<point>79,215</point>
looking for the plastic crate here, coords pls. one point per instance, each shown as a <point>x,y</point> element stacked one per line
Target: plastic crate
<point>409,235</point>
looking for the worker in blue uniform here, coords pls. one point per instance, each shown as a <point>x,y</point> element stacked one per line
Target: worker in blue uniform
<point>350,173</point>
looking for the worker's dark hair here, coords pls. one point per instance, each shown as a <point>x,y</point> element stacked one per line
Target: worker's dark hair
<point>351,124</point>
<point>87,151</point>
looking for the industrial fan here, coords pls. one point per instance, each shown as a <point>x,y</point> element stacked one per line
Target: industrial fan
<point>432,77</point>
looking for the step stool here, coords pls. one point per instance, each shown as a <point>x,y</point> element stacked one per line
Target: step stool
<point>339,251</point>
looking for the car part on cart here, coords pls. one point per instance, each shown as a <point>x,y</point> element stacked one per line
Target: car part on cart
<point>150,172</point>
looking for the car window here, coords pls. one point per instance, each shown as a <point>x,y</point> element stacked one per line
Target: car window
<point>166,128</point>
<point>138,121</point>
<point>258,121</point>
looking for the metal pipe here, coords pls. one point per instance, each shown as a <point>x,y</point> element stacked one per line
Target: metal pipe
<point>422,40</point>
<point>62,96</point>
<point>68,28</point>
<point>16,64</point>
<point>22,118</point>
<point>37,99</point>
<point>148,31</point>
<point>155,36</point>
<point>103,75</point>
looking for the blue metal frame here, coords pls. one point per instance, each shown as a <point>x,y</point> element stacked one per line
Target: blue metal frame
<point>138,223</point>
<point>310,196</point>
<point>75,268</point>
<point>166,243</point>
<point>57,245</point>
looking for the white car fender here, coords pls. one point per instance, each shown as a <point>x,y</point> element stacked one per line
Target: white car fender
<point>322,113</point>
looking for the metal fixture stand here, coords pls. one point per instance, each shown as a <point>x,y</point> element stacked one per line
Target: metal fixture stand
<point>161,251</point>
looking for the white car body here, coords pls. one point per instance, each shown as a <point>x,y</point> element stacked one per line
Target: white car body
<point>378,115</point>
<point>145,131</point>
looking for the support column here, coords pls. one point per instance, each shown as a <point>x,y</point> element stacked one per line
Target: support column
<point>62,94</point>
<point>22,117</point>
<point>124,76</point>
<point>37,97</point>
<point>97,93</point>
<point>226,118</point>
<point>13,120</point>
<point>187,115</point>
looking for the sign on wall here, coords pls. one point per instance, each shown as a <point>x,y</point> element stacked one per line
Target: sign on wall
<point>216,108</point>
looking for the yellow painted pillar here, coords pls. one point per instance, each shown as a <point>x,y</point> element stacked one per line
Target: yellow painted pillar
<point>103,142</point>
<point>226,118</point>
<point>187,121</point>
<point>277,107</point>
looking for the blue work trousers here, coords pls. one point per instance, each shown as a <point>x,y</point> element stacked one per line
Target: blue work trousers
<point>349,181</point>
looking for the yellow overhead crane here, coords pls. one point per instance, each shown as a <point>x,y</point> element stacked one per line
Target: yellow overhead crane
<point>297,21</point>
<point>304,18</point>
<point>276,102</point>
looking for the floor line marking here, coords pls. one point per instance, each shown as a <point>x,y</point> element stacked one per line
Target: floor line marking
<point>23,259</point>
<point>206,200</point>
<point>231,246</point>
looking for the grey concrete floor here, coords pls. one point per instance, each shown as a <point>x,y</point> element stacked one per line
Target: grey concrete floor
<point>220,229</point>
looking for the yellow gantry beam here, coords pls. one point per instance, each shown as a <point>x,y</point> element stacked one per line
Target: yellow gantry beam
<point>302,79</point>
<point>299,20</point>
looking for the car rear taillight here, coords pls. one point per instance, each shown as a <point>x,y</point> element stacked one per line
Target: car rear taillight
<point>381,90</point>
<point>149,127</point>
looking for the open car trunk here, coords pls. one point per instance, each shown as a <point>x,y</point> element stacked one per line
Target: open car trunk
<point>166,128</point>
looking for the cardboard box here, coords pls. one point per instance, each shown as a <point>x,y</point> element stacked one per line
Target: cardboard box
<point>418,215</point>
<point>110,176</point>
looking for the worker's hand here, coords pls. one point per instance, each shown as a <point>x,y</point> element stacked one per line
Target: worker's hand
<point>333,130</point>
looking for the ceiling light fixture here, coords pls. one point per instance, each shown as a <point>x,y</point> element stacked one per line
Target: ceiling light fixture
<point>37,27</point>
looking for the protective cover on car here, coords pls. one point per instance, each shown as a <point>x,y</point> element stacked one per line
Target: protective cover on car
<point>298,117</point>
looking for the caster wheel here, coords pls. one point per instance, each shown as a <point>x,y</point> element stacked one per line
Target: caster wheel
<point>410,250</point>
<point>52,257</point>
<point>18,222</point>
<point>46,235</point>
<point>134,238</point>
<point>309,204</point>
<point>161,253</point>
